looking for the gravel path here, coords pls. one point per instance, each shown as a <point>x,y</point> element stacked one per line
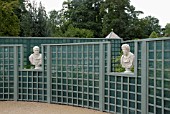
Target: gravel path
<point>13,107</point>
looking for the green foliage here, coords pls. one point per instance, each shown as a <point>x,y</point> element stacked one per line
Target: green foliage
<point>34,21</point>
<point>76,32</point>
<point>122,17</point>
<point>167,30</point>
<point>135,39</point>
<point>28,66</point>
<point>9,25</point>
<point>101,16</point>
<point>26,25</point>
<point>85,15</point>
<point>118,67</point>
<point>150,24</point>
<point>41,23</point>
<point>144,27</point>
<point>21,8</point>
<point>57,25</point>
<point>153,35</point>
<point>52,22</point>
<point>81,18</point>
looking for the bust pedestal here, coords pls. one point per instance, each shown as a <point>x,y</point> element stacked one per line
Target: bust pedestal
<point>127,70</point>
<point>38,67</point>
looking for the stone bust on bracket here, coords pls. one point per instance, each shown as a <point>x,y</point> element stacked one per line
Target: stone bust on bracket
<point>127,59</point>
<point>36,58</point>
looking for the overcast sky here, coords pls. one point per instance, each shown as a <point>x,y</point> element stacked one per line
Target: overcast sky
<point>156,8</point>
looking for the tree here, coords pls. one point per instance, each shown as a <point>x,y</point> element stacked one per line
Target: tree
<point>120,16</point>
<point>55,23</point>
<point>76,32</point>
<point>9,25</point>
<point>153,35</point>
<point>167,30</point>
<point>34,21</point>
<point>102,16</point>
<point>150,24</point>
<point>85,14</point>
<point>42,29</point>
<point>26,21</point>
<point>21,8</point>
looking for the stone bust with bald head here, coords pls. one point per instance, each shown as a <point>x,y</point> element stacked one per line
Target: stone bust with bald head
<point>127,59</point>
<point>36,58</point>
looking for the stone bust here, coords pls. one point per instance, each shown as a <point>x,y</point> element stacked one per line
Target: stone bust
<point>127,59</point>
<point>36,58</point>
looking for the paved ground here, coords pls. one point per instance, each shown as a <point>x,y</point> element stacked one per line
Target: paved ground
<point>13,107</point>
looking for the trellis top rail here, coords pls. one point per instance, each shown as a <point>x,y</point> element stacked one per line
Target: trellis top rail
<point>66,44</point>
<point>76,38</point>
<point>10,45</point>
<point>148,39</point>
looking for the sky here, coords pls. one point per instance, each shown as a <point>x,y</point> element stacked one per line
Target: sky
<point>156,8</point>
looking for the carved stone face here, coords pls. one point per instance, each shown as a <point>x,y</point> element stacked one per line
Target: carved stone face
<point>36,51</point>
<point>125,51</point>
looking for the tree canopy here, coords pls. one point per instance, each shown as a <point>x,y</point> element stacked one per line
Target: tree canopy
<point>77,18</point>
<point>9,25</point>
<point>153,35</point>
<point>34,21</point>
<point>167,30</point>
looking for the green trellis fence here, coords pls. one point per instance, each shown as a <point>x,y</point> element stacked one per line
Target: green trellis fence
<point>82,74</point>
